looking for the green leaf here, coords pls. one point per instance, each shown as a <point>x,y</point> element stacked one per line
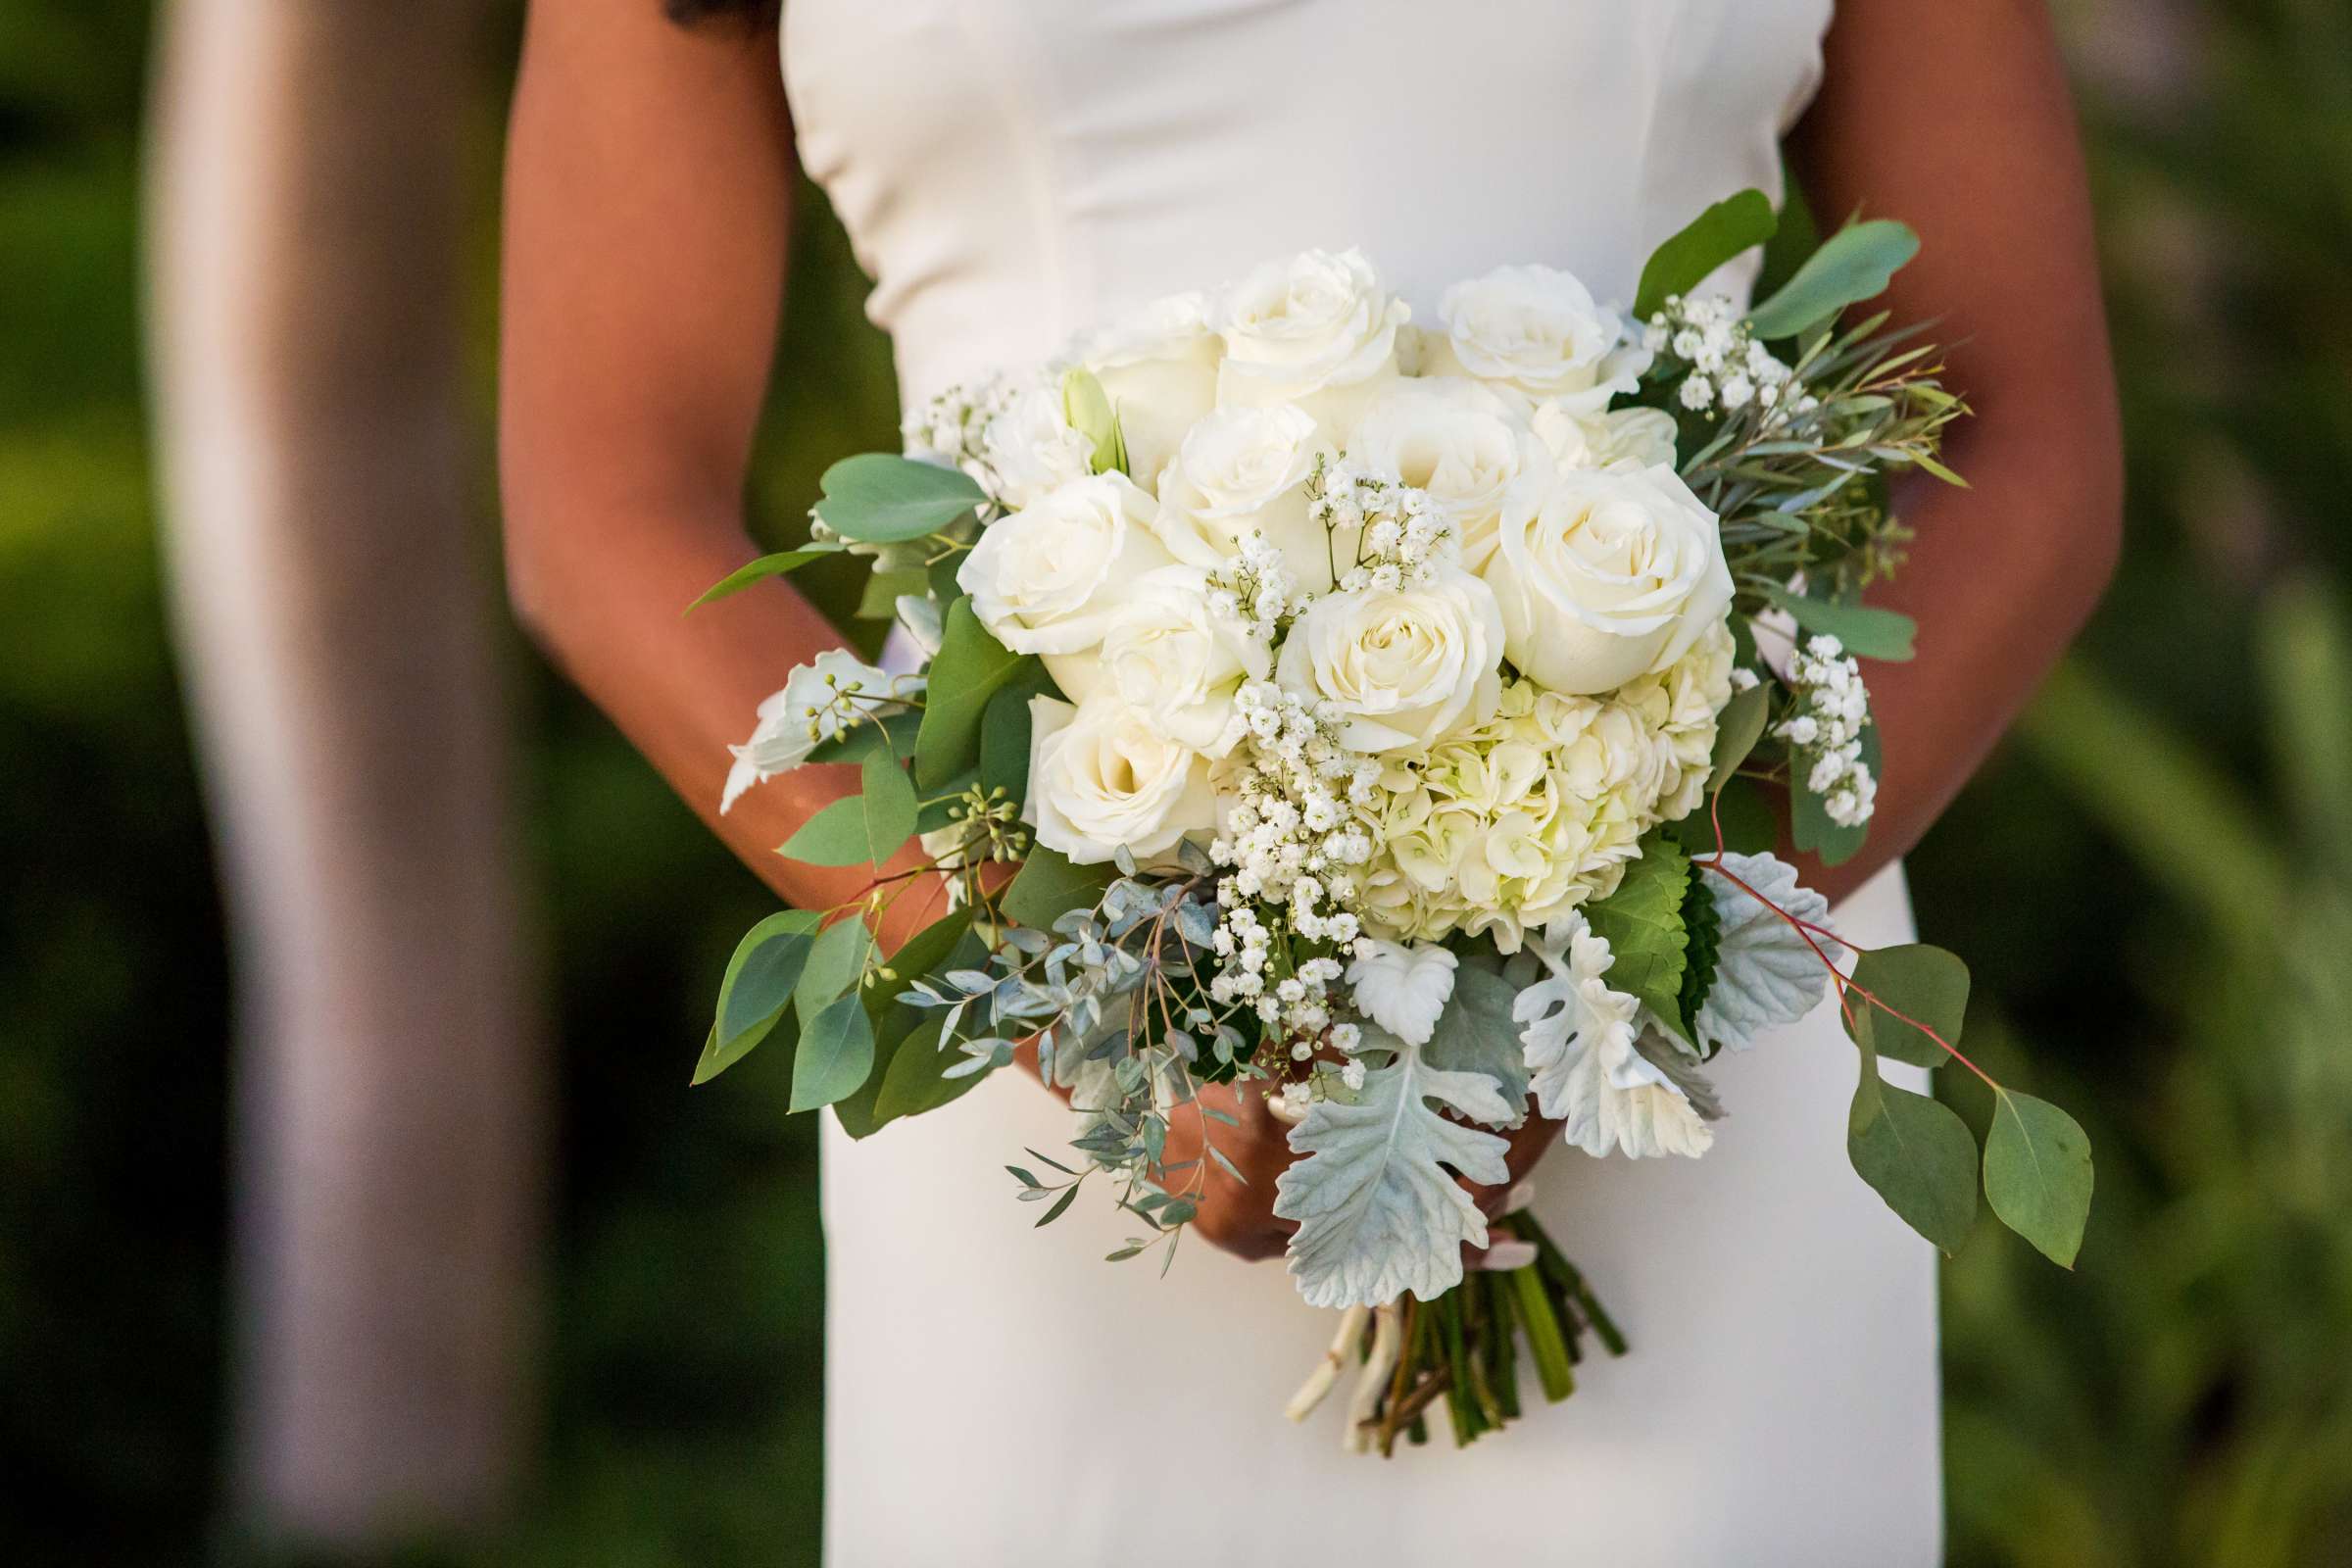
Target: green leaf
<point>861,829</point>
<point>971,667</point>
<point>1927,983</point>
<point>1709,240</point>
<point>1867,631</point>
<point>1738,729</point>
<point>1855,263</point>
<point>2037,1173</point>
<point>880,599</point>
<point>767,567</point>
<point>914,1082</point>
<point>1005,736</point>
<point>837,961</point>
<point>834,836</point>
<point>1478,1034</point>
<point>1918,1154</point>
<point>1704,923</point>
<point>886,798</point>
<point>1642,923</point>
<point>880,499</point>
<point>780,1034</point>
<point>1087,409</point>
<point>1048,887</point>
<point>761,977</point>
<point>836,1052</point>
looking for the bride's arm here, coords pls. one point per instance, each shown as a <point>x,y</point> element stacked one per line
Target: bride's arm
<point>1955,118</point>
<point>647,208</point>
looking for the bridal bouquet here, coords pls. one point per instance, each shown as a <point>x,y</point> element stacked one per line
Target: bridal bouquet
<point>1389,719</point>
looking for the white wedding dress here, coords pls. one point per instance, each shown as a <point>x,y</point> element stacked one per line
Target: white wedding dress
<point>1010,171</point>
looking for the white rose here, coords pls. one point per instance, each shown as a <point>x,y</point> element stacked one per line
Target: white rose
<point>1101,775</point>
<point>1536,330</point>
<point>1159,366</point>
<point>1463,445</point>
<point>1048,578</point>
<point>1316,329</point>
<point>1172,658</point>
<point>1240,469</point>
<point>1641,438</point>
<point>807,712</point>
<point>1029,447</point>
<point>1400,666</point>
<point>1615,574</point>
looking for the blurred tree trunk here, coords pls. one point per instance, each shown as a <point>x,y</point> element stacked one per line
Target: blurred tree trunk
<point>306,238</point>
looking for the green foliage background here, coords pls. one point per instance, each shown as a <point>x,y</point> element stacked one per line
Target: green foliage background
<point>2153,885</point>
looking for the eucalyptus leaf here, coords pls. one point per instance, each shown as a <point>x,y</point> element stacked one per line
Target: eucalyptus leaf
<point>880,499</point>
<point>836,1052</point>
<point>1048,886</point>
<point>836,960</point>
<point>887,803</point>
<point>1926,983</point>
<point>1919,1155</point>
<point>1855,263</point>
<point>761,976</point>
<point>1707,242</point>
<point>835,836</point>
<point>2037,1173</point>
<point>1738,729</point>
<point>971,667</point>
<point>1867,631</point>
<point>767,567</point>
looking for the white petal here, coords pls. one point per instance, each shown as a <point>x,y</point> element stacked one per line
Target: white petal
<point>1403,990</point>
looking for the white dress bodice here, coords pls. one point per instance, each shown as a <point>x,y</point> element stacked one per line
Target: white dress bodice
<point>1011,172</point>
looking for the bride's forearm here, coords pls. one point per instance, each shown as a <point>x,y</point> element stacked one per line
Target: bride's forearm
<point>607,605</point>
<point>2001,575</point>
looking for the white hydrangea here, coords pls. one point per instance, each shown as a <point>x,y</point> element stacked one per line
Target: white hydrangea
<point>1504,826</point>
<point>1825,726</point>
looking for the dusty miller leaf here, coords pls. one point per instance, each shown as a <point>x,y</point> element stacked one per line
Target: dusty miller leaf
<point>1766,975</point>
<point>1378,1211</point>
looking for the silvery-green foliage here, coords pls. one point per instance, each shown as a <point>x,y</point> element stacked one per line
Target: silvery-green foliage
<point>1767,975</point>
<point>1478,1034</point>
<point>1665,1051</point>
<point>1379,1213</point>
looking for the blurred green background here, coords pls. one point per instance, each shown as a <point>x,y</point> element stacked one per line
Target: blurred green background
<point>2153,883</point>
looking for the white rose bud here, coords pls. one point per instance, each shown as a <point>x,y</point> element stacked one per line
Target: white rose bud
<point>1615,574</point>
<point>1100,775</point>
<point>1159,366</point>
<point>1048,578</point>
<point>1536,330</point>
<point>1316,329</point>
<point>1463,445</point>
<point>1030,446</point>
<point>1400,667</point>
<point>1168,656</point>
<point>1642,438</point>
<point>1240,469</point>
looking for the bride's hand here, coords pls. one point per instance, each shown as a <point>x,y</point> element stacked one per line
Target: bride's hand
<point>1238,1216</point>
